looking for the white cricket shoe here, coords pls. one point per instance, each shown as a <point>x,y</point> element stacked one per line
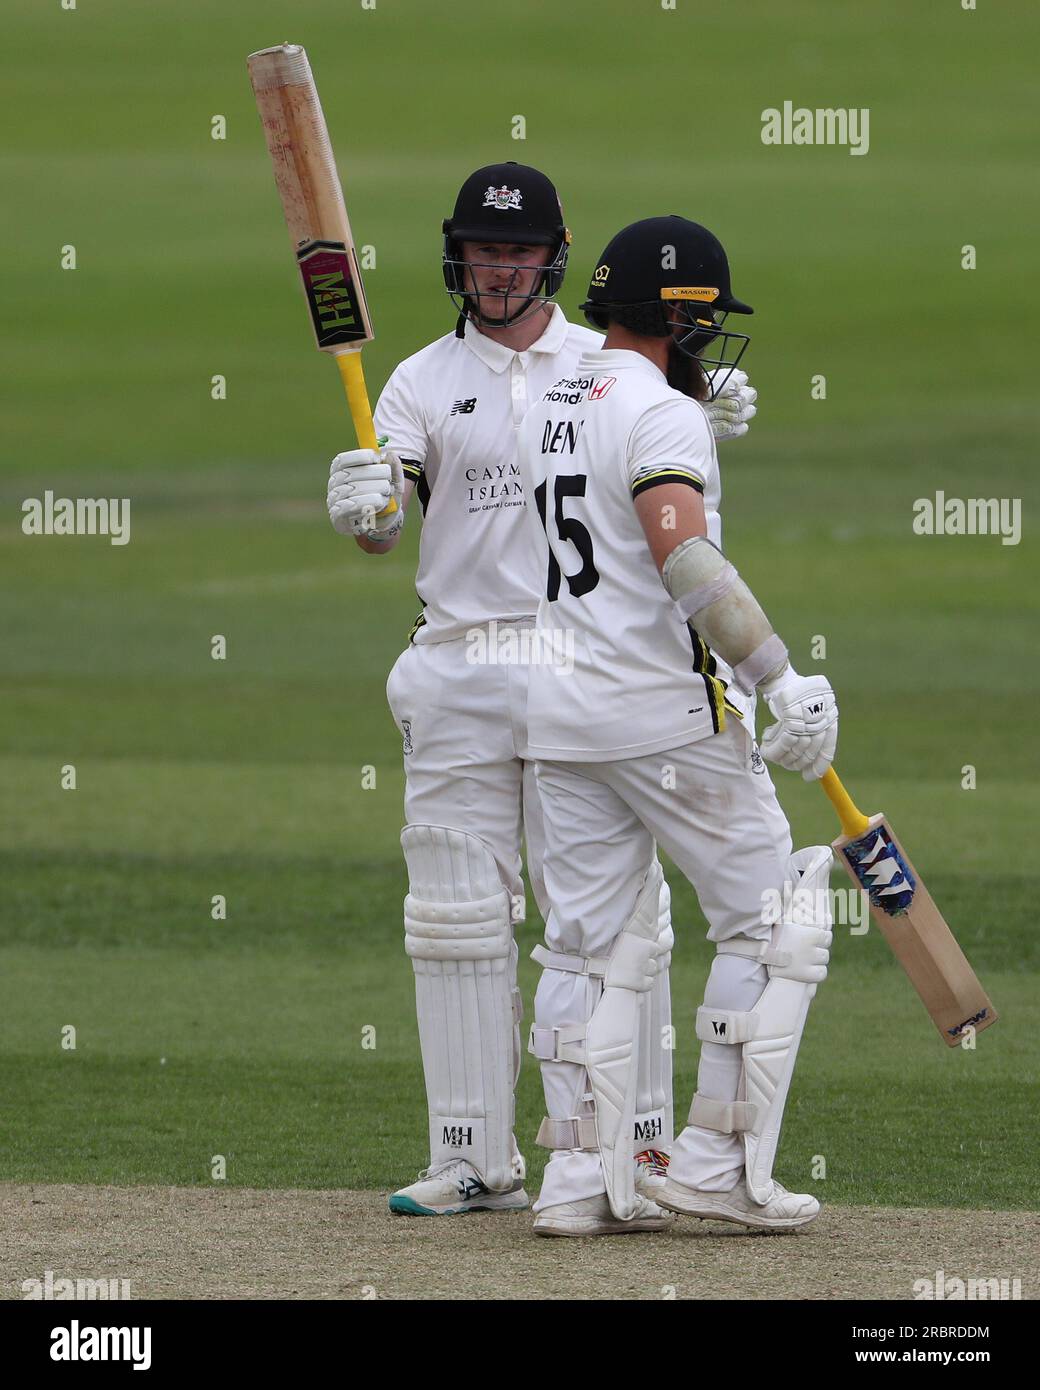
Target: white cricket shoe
<point>452,1189</point>
<point>783,1212</point>
<point>591,1216</point>
<point>651,1172</point>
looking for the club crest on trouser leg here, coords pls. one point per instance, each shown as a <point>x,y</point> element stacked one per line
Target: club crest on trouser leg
<point>881,870</point>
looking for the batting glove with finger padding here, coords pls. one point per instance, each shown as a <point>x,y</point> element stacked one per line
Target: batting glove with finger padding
<point>361,486</point>
<point>731,412</point>
<point>806,733</point>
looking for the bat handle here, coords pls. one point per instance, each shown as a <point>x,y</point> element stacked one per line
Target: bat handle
<point>853,821</point>
<point>353,375</point>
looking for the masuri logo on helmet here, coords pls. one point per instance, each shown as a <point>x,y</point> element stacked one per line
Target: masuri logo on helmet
<point>706,293</point>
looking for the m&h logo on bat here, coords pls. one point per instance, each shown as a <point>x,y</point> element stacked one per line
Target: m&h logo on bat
<point>882,871</point>
<point>332,296</point>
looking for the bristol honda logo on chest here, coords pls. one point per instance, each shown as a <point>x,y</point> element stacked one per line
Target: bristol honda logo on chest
<point>575,389</point>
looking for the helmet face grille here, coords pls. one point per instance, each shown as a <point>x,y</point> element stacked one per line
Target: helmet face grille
<point>513,306</point>
<point>696,331</point>
<point>717,350</point>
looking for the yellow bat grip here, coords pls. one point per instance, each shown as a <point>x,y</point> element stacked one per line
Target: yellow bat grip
<point>353,375</point>
<point>853,822</point>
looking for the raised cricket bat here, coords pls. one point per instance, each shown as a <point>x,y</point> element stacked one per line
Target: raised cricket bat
<point>909,920</point>
<point>316,215</point>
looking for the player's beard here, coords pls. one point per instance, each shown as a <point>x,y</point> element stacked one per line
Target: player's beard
<point>686,374</point>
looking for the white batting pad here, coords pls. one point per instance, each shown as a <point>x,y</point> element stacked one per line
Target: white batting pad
<point>459,935</point>
<point>796,961</point>
<point>652,1127</point>
<point>612,1042</point>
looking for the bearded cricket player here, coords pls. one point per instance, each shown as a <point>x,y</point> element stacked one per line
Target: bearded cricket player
<point>638,746</point>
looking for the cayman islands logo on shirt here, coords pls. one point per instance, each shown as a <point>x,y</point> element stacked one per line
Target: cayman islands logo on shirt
<point>502,198</point>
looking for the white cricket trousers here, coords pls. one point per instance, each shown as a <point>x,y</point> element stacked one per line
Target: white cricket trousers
<point>712,806</point>
<point>463,727</point>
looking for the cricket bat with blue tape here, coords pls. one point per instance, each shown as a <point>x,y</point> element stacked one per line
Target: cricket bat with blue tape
<point>909,920</point>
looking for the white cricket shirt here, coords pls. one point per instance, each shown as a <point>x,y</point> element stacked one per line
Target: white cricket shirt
<point>453,410</point>
<point>641,681</point>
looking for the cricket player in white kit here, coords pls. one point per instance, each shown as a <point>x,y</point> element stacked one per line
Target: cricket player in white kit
<point>648,737</point>
<point>458,693</point>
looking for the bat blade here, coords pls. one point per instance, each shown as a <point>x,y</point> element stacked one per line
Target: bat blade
<point>316,216</point>
<point>312,197</point>
<point>916,930</point>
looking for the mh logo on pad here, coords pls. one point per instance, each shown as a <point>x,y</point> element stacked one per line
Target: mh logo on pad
<point>882,871</point>
<point>455,1136</point>
<point>648,1129</point>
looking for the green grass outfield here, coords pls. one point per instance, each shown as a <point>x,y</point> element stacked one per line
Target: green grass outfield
<point>244,1037</point>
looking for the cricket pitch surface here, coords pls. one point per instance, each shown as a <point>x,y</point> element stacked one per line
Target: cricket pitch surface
<point>240,1243</point>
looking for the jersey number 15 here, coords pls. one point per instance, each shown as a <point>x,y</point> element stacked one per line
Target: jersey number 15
<point>569,529</point>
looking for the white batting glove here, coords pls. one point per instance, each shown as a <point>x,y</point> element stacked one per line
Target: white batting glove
<point>806,734</point>
<point>361,484</point>
<point>732,411</point>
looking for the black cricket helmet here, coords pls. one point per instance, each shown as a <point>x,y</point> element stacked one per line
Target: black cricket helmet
<point>669,277</point>
<point>505,203</point>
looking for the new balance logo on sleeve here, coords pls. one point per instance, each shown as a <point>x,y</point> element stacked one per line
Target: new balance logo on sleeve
<point>464,407</point>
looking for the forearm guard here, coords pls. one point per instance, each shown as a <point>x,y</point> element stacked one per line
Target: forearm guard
<point>711,596</point>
